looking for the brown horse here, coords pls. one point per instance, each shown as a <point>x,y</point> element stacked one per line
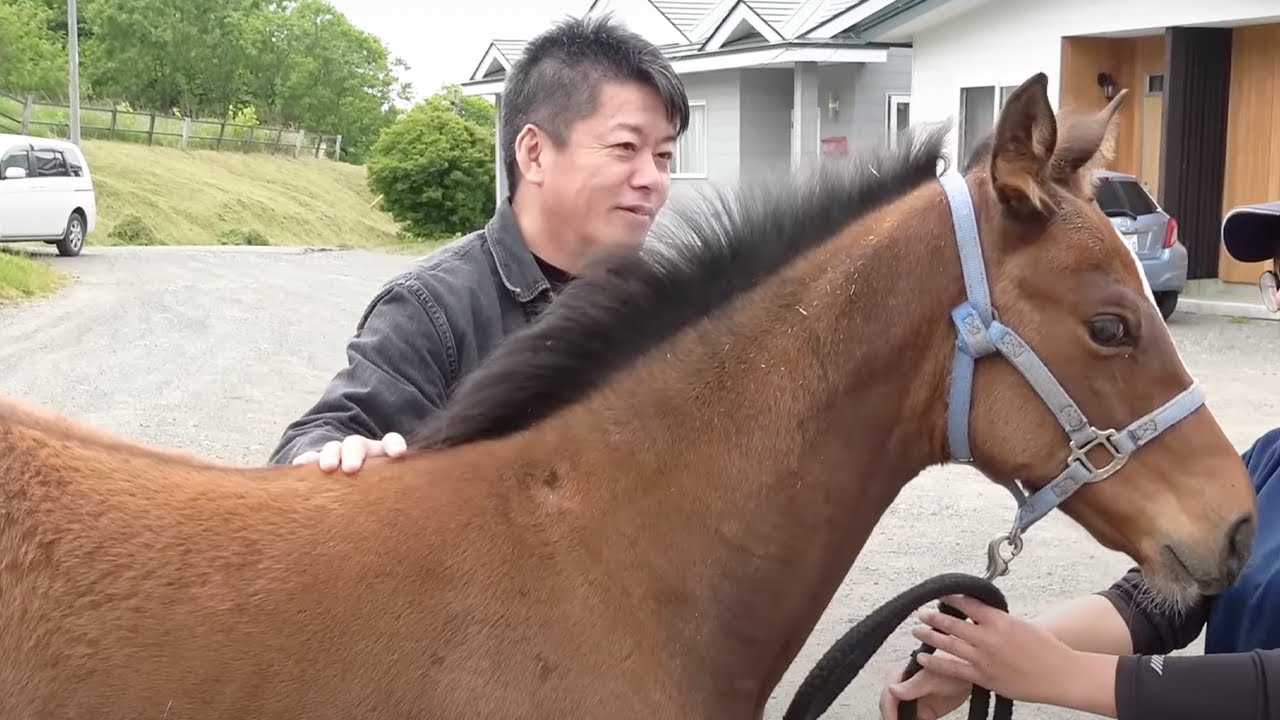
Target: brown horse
<point>641,505</point>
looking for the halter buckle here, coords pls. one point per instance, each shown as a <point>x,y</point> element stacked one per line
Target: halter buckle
<point>1106,439</point>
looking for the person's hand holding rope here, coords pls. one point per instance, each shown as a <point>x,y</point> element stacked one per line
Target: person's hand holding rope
<point>1011,656</point>
<point>936,695</point>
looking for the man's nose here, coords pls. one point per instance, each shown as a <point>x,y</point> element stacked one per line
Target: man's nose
<point>646,173</point>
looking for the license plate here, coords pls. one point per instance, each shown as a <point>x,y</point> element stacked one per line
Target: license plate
<point>1130,241</point>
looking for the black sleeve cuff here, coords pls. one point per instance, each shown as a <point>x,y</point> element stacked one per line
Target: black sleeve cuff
<point>1227,686</point>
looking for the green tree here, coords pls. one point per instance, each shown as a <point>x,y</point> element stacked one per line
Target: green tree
<point>434,165</point>
<point>32,56</point>
<point>299,63</point>
<point>188,55</point>
<point>294,62</point>
<point>311,67</point>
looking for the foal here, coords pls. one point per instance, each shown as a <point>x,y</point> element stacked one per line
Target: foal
<point>640,507</point>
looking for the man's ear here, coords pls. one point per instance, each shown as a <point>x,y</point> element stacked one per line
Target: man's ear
<point>529,147</point>
<point>1025,137</point>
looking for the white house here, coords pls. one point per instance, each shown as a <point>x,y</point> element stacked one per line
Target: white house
<point>768,82</point>
<point>1203,134</point>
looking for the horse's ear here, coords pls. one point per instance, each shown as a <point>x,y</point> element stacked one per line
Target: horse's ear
<point>1025,137</point>
<point>1088,144</point>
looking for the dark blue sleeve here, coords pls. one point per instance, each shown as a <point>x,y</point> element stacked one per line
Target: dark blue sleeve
<point>1263,458</point>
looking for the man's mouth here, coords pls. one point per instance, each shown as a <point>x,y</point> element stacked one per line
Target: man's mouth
<point>642,211</point>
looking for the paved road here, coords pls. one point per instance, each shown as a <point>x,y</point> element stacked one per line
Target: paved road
<point>147,342</point>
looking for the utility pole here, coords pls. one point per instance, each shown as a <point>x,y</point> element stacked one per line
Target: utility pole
<point>73,57</point>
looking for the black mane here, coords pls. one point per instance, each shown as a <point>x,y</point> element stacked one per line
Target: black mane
<point>706,250</point>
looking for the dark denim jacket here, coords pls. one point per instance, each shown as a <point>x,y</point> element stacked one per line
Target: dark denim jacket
<point>421,333</point>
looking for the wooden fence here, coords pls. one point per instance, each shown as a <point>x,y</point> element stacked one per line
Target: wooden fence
<point>29,116</point>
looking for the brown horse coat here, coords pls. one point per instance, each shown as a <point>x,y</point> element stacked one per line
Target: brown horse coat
<point>639,507</point>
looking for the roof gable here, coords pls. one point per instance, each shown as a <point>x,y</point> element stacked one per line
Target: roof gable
<point>686,14</point>
<point>493,64</point>
<point>776,12</point>
<point>682,28</point>
<point>742,23</point>
<point>644,17</point>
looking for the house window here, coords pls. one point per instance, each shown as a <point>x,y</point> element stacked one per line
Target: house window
<point>1005,92</point>
<point>977,117</point>
<point>899,117</point>
<point>979,108</point>
<point>691,151</point>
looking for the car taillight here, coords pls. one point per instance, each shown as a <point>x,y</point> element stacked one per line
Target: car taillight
<point>1170,234</point>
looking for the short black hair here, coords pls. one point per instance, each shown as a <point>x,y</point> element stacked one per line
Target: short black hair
<point>556,82</point>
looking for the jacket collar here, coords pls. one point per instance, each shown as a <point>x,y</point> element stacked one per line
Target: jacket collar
<point>517,267</point>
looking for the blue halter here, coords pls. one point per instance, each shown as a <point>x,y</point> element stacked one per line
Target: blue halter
<point>980,333</point>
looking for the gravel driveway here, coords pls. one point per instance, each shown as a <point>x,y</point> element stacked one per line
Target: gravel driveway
<point>147,342</point>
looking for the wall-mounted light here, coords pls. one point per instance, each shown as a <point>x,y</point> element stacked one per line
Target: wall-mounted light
<point>1108,85</point>
<point>833,106</point>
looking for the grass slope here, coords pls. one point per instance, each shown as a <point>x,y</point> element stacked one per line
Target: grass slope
<point>164,196</point>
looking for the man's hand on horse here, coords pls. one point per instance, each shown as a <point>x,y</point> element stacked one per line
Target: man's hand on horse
<point>351,452</point>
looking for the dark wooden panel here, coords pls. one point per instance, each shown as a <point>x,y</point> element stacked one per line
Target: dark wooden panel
<point>1193,162</point>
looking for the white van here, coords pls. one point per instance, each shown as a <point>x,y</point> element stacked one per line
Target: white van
<point>46,193</point>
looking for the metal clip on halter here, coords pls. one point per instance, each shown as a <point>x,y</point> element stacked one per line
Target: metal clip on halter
<point>997,562</point>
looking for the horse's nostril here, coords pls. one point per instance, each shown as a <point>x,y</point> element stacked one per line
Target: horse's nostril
<point>1240,541</point>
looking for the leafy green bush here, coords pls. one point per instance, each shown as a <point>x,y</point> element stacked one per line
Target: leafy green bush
<point>433,167</point>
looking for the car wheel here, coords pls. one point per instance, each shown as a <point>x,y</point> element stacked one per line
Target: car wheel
<point>1167,301</point>
<point>72,241</point>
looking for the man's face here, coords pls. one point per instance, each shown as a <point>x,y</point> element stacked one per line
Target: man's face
<point>614,173</point>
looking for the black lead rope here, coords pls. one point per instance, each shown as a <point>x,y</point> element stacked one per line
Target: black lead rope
<point>847,656</point>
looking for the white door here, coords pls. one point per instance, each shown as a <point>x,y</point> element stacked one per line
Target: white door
<point>53,192</point>
<point>16,197</point>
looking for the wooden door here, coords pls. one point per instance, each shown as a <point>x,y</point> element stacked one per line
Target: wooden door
<point>1252,172</point>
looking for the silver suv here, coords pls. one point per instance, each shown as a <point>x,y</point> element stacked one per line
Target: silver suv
<point>1150,231</point>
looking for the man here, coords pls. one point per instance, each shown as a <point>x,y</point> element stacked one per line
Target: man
<point>590,117</point>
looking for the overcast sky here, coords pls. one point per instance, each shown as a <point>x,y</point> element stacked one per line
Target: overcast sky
<point>444,46</point>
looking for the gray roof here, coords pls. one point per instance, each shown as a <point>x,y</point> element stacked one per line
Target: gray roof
<point>685,14</point>
<point>831,8</point>
<point>775,12</point>
<point>800,15</point>
<point>511,49</point>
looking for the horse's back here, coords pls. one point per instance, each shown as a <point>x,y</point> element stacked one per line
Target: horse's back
<point>134,583</point>
<point>60,427</point>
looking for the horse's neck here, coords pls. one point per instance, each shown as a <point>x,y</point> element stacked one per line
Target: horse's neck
<point>735,474</point>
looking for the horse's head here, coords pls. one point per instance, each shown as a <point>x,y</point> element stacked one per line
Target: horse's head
<point>1168,488</point>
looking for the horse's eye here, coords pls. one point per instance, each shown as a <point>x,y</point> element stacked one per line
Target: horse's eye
<point>1110,331</point>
